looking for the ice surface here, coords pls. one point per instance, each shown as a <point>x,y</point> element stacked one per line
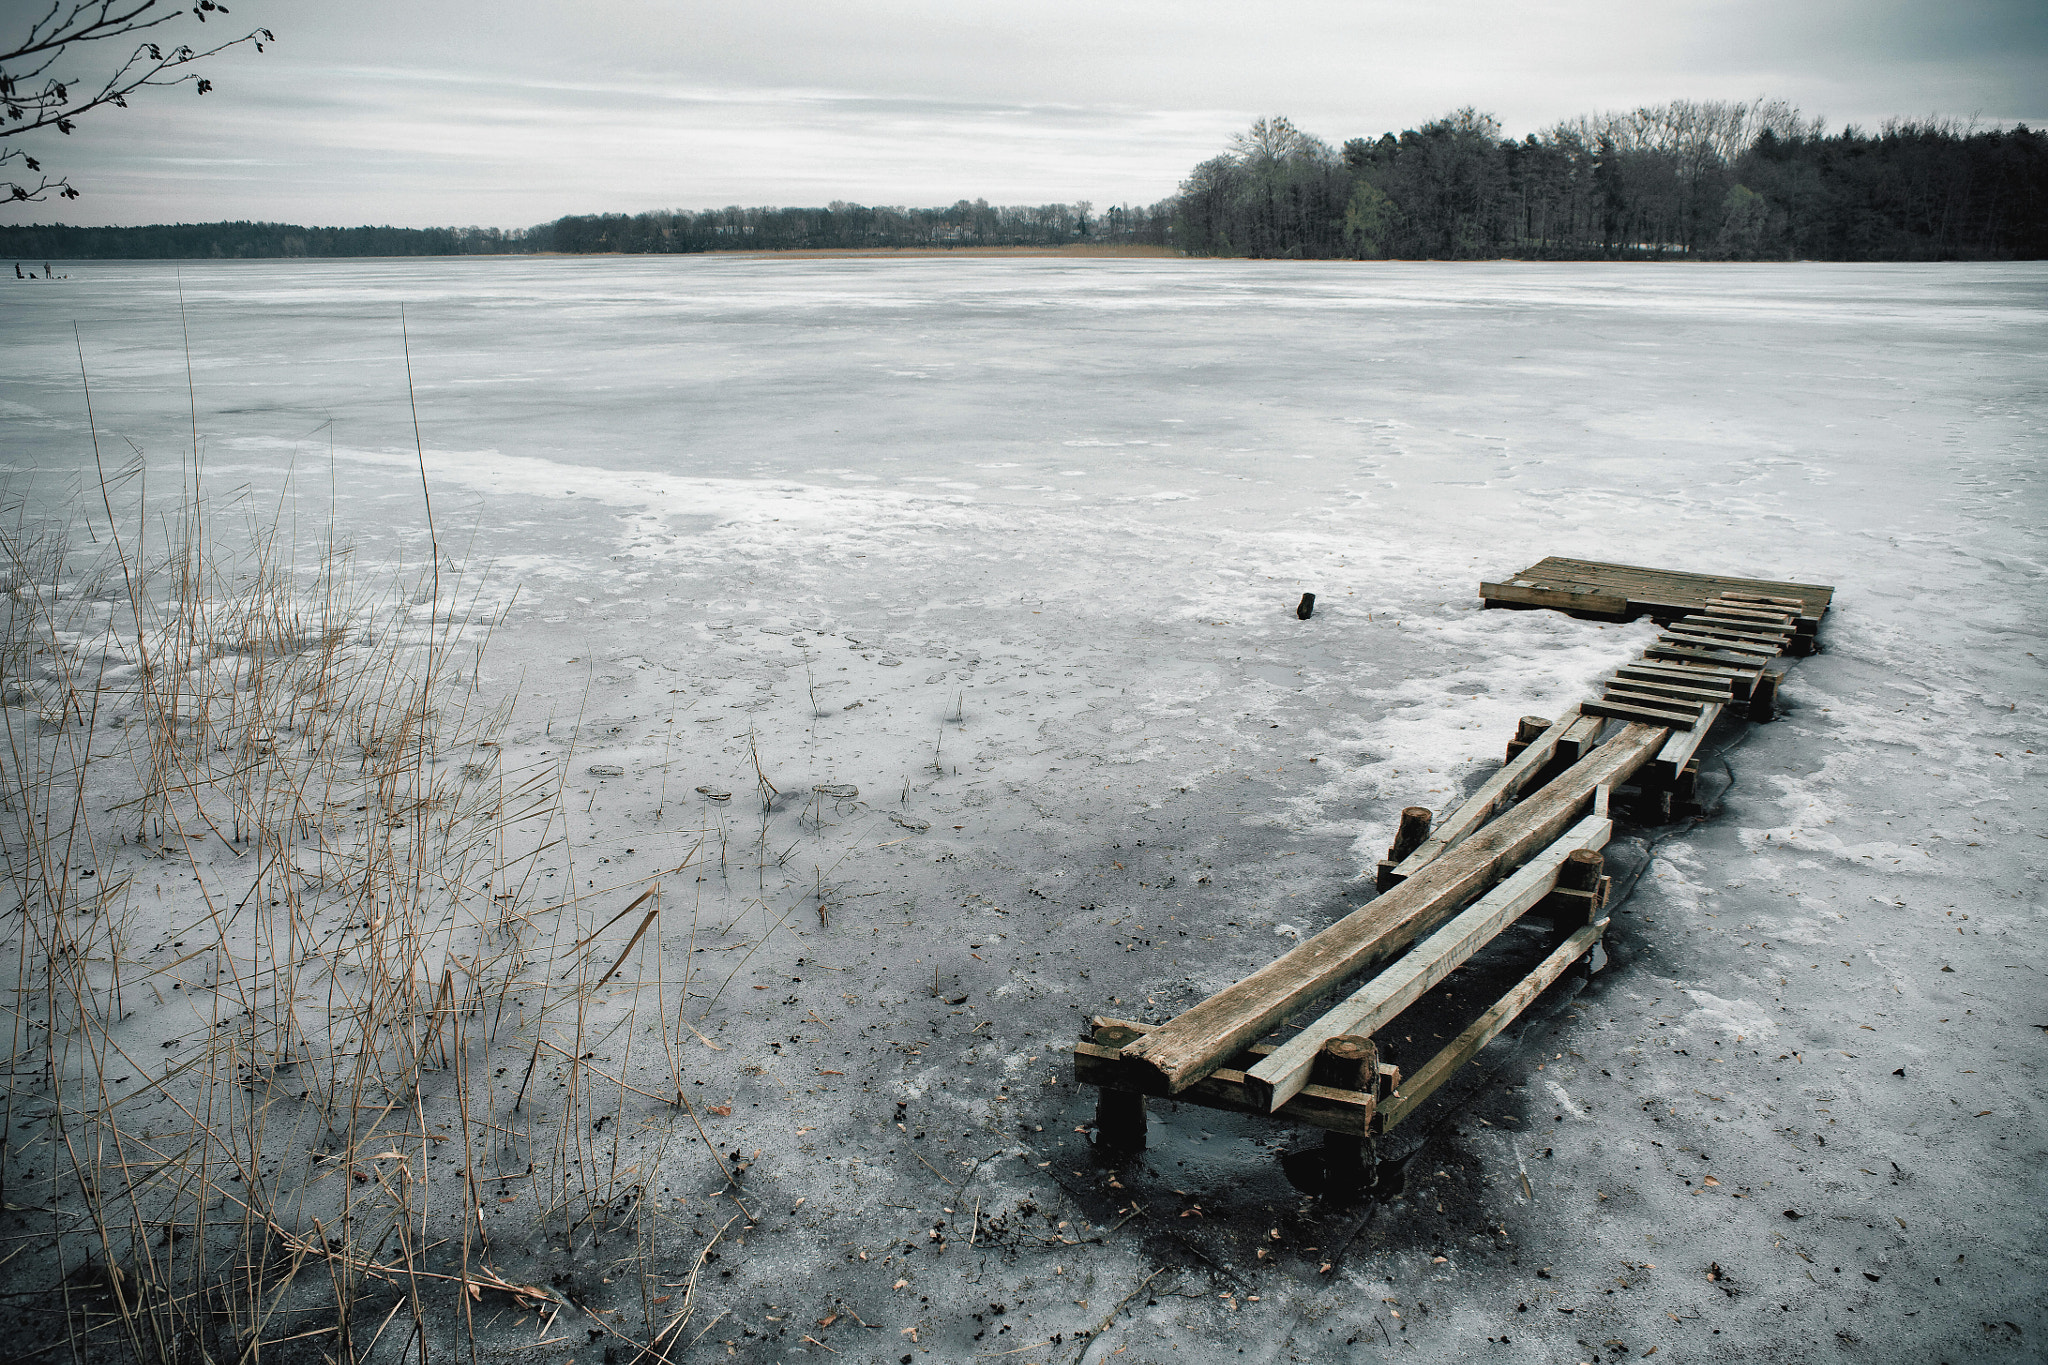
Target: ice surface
<point>1077,502</point>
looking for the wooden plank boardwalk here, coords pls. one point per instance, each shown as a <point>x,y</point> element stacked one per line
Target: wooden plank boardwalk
<point>1528,841</point>
<point>1622,592</point>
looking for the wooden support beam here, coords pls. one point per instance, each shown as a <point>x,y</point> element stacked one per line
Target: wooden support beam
<point>1630,694</point>
<point>1763,700</point>
<point>1350,1160</point>
<point>1290,1066</point>
<point>1195,1043</point>
<point>1663,770</point>
<point>1744,632</point>
<point>1706,676</point>
<point>1317,1106</point>
<point>1562,599</point>
<point>1648,715</point>
<point>1524,770</point>
<point>1581,892</point>
<point>1484,1029</point>
<point>1699,654</point>
<point>1408,836</point>
<point>1726,646</point>
<point>1677,691</point>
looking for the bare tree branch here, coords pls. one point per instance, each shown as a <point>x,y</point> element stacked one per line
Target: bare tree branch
<point>33,97</point>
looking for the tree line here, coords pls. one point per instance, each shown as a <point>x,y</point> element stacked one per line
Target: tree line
<point>228,241</point>
<point>1708,180</point>
<point>1691,179</point>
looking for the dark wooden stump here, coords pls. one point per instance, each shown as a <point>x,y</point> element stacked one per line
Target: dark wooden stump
<point>1414,828</point>
<point>1763,698</point>
<point>1119,1121</point>
<point>1526,732</point>
<point>1350,1161</point>
<point>1307,607</point>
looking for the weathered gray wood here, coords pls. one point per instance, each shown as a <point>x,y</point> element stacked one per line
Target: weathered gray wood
<point>1648,715</point>
<point>1196,1042</point>
<point>1524,770</point>
<point>1414,828</point>
<point>1484,1029</point>
<point>1763,699</point>
<point>1630,694</point>
<point>1677,691</point>
<point>1726,646</point>
<point>1409,836</point>
<point>1720,618</point>
<point>1580,882</point>
<point>1739,639</point>
<point>1317,1106</point>
<point>1290,1066</point>
<point>1663,770</point>
<point>1699,654</point>
<point>1589,603</point>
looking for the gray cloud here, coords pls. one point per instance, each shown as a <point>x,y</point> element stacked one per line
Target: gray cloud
<point>519,111</point>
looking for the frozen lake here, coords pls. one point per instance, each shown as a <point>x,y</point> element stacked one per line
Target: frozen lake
<point>1014,547</point>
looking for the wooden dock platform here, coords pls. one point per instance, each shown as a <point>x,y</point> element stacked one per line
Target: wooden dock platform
<point>1622,592</point>
<point>1528,841</point>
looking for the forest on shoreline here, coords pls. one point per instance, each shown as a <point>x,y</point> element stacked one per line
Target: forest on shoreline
<point>1689,180</point>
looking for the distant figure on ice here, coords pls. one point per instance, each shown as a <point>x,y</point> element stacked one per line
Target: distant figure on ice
<point>46,270</point>
<point>17,271</point>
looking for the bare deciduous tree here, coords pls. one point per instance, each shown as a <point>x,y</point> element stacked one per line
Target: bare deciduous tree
<point>34,95</point>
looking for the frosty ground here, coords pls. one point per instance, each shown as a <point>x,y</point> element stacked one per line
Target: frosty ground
<point>1012,549</point>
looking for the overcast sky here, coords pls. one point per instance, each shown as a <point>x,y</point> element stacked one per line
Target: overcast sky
<point>427,112</point>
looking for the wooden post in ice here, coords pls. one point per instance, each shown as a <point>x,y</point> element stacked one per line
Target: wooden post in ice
<point>1350,1062</point>
<point>1119,1114</point>
<point>1307,607</point>
<point>1763,697</point>
<point>1414,828</point>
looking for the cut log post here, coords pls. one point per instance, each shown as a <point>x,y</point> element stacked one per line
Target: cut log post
<point>1413,830</point>
<point>1119,1121</point>
<point>1280,1075</point>
<point>1578,899</point>
<point>1195,1043</point>
<point>1763,698</point>
<point>1350,1161</point>
<point>1307,607</point>
<point>1685,792</point>
<point>1539,761</point>
<point>1119,1114</point>
<point>1526,732</point>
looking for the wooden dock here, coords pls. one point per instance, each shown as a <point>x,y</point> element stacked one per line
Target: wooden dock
<point>1623,592</point>
<point>1527,842</point>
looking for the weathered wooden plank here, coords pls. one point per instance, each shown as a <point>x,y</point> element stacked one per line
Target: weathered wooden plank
<point>1318,1106</point>
<point>1624,694</point>
<point>1560,599</point>
<point>1776,616</point>
<point>1514,775</point>
<point>1677,691</point>
<point>1440,1068</point>
<point>1193,1044</point>
<point>1282,1073</point>
<point>1646,715</point>
<point>1737,681</point>
<point>1707,625</point>
<point>1694,653</point>
<point>1703,641</point>
<point>1767,590</point>
<point>1679,749</point>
